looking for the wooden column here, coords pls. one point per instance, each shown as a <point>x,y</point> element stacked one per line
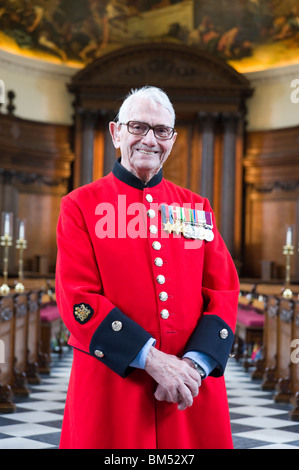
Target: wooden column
<point>89,121</point>
<point>109,150</point>
<point>207,123</point>
<point>230,122</point>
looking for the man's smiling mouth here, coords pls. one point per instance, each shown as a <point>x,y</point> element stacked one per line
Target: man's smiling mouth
<point>148,152</point>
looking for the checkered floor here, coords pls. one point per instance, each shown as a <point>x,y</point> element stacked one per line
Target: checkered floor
<point>37,421</point>
<point>257,422</point>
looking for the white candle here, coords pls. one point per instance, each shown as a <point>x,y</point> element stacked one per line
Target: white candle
<point>22,230</point>
<point>7,224</point>
<point>289,236</point>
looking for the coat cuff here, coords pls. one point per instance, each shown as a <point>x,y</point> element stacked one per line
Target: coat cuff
<point>117,341</point>
<point>213,337</point>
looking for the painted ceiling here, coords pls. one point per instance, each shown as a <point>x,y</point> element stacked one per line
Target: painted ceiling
<point>249,34</point>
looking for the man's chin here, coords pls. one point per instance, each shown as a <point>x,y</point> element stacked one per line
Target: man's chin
<point>146,164</point>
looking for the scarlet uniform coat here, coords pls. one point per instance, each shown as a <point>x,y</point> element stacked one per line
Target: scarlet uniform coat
<point>107,272</point>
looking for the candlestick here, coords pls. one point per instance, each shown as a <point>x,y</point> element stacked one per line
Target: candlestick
<point>6,241</point>
<point>288,250</point>
<point>21,245</point>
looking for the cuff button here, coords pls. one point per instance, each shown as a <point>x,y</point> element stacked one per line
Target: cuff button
<point>223,333</point>
<point>99,353</point>
<point>117,325</point>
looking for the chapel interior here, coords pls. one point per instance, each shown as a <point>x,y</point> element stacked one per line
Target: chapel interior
<point>231,70</point>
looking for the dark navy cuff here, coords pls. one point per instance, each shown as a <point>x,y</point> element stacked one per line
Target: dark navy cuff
<point>117,341</point>
<point>215,338</point>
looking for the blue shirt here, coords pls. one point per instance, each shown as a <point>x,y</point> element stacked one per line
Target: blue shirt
<point>205,361</point>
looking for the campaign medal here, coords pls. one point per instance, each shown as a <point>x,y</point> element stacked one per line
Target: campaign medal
<point>188,229</point>
<point>193,224</point>
<point>167,226</point>
<point>209,235</point>
<point>176,214</point>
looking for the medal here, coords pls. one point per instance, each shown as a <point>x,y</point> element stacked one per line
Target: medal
<point>209,235</point>
<point>193,224</point>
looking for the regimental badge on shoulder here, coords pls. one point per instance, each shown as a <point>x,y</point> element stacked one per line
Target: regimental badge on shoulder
<point>82,312</point>
<point>191,223</point>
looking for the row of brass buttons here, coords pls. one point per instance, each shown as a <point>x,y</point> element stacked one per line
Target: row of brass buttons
<point>160,279</point>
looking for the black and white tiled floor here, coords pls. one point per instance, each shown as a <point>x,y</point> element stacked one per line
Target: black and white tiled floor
<point>257,422</point>
<point>37,421</point>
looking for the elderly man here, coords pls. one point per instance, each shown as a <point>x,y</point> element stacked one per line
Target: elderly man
<point>149,293</point>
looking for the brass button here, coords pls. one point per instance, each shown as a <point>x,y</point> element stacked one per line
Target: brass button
<point>117,325</point>
<point>158,262</point>
<point>153,229</point>
<point>156,245</point>
<point>160,279</point>
<point>99,353</point>
<point>223,333</point>
<point>149,198</point>
<point>163,296</point>
<point>151,213</point>
<point>164,314</point>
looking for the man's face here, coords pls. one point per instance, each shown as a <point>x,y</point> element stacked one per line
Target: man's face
<point>143,155</point>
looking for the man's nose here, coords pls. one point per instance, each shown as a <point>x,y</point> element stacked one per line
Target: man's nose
<point>150,138</point>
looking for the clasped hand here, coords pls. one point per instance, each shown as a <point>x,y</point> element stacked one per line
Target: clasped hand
<point>178,382</point>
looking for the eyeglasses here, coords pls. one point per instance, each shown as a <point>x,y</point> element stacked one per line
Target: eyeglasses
<point>141,128</point>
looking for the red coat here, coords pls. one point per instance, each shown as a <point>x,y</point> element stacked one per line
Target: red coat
<point>109,296</point>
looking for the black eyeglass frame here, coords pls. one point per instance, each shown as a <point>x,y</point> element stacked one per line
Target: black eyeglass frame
<point>171,129</point>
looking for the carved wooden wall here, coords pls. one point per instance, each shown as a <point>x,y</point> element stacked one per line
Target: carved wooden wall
<point>209,99</point>
<point>35,169</point>
<point>272,200</point>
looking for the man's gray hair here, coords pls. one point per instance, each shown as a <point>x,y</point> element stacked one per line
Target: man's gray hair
<point>153,93</point>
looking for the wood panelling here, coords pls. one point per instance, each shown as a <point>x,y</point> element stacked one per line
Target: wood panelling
<point>177,166</point>
<point>271,170</point>
<point>35,172</point>
<point>44,207</point>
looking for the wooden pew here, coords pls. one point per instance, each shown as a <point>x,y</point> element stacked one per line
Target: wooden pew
<point>288,355</point>
<point>249,326</point>
<point>294,414</point>
<point>284,339</point>
<point>33,337</point>
<point>20,339</point>
<point>266,366</point>
<point>19,384</point>
<point>281,373</point>
<point>51,327</point>
<point>6,367</point>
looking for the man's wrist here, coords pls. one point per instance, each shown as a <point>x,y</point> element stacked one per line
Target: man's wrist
<point>198,368</point>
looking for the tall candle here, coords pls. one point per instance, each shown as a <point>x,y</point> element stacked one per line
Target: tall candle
<point>289,236</point>
<point>7,224</point>
<point>21,230</point>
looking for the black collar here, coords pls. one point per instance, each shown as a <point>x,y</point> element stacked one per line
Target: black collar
<point>127,177</point>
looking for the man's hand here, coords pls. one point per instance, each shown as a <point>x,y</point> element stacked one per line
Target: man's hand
<point>178,382</point>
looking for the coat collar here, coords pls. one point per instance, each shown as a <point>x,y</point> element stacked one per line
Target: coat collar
<point>127,177</point>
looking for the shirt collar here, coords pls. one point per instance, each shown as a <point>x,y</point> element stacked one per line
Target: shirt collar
<point>127,177</point>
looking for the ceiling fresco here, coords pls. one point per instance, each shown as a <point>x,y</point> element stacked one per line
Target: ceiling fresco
<point>249,34</point>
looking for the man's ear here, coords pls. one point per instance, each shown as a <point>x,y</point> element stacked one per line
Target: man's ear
<point>114,131</point>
